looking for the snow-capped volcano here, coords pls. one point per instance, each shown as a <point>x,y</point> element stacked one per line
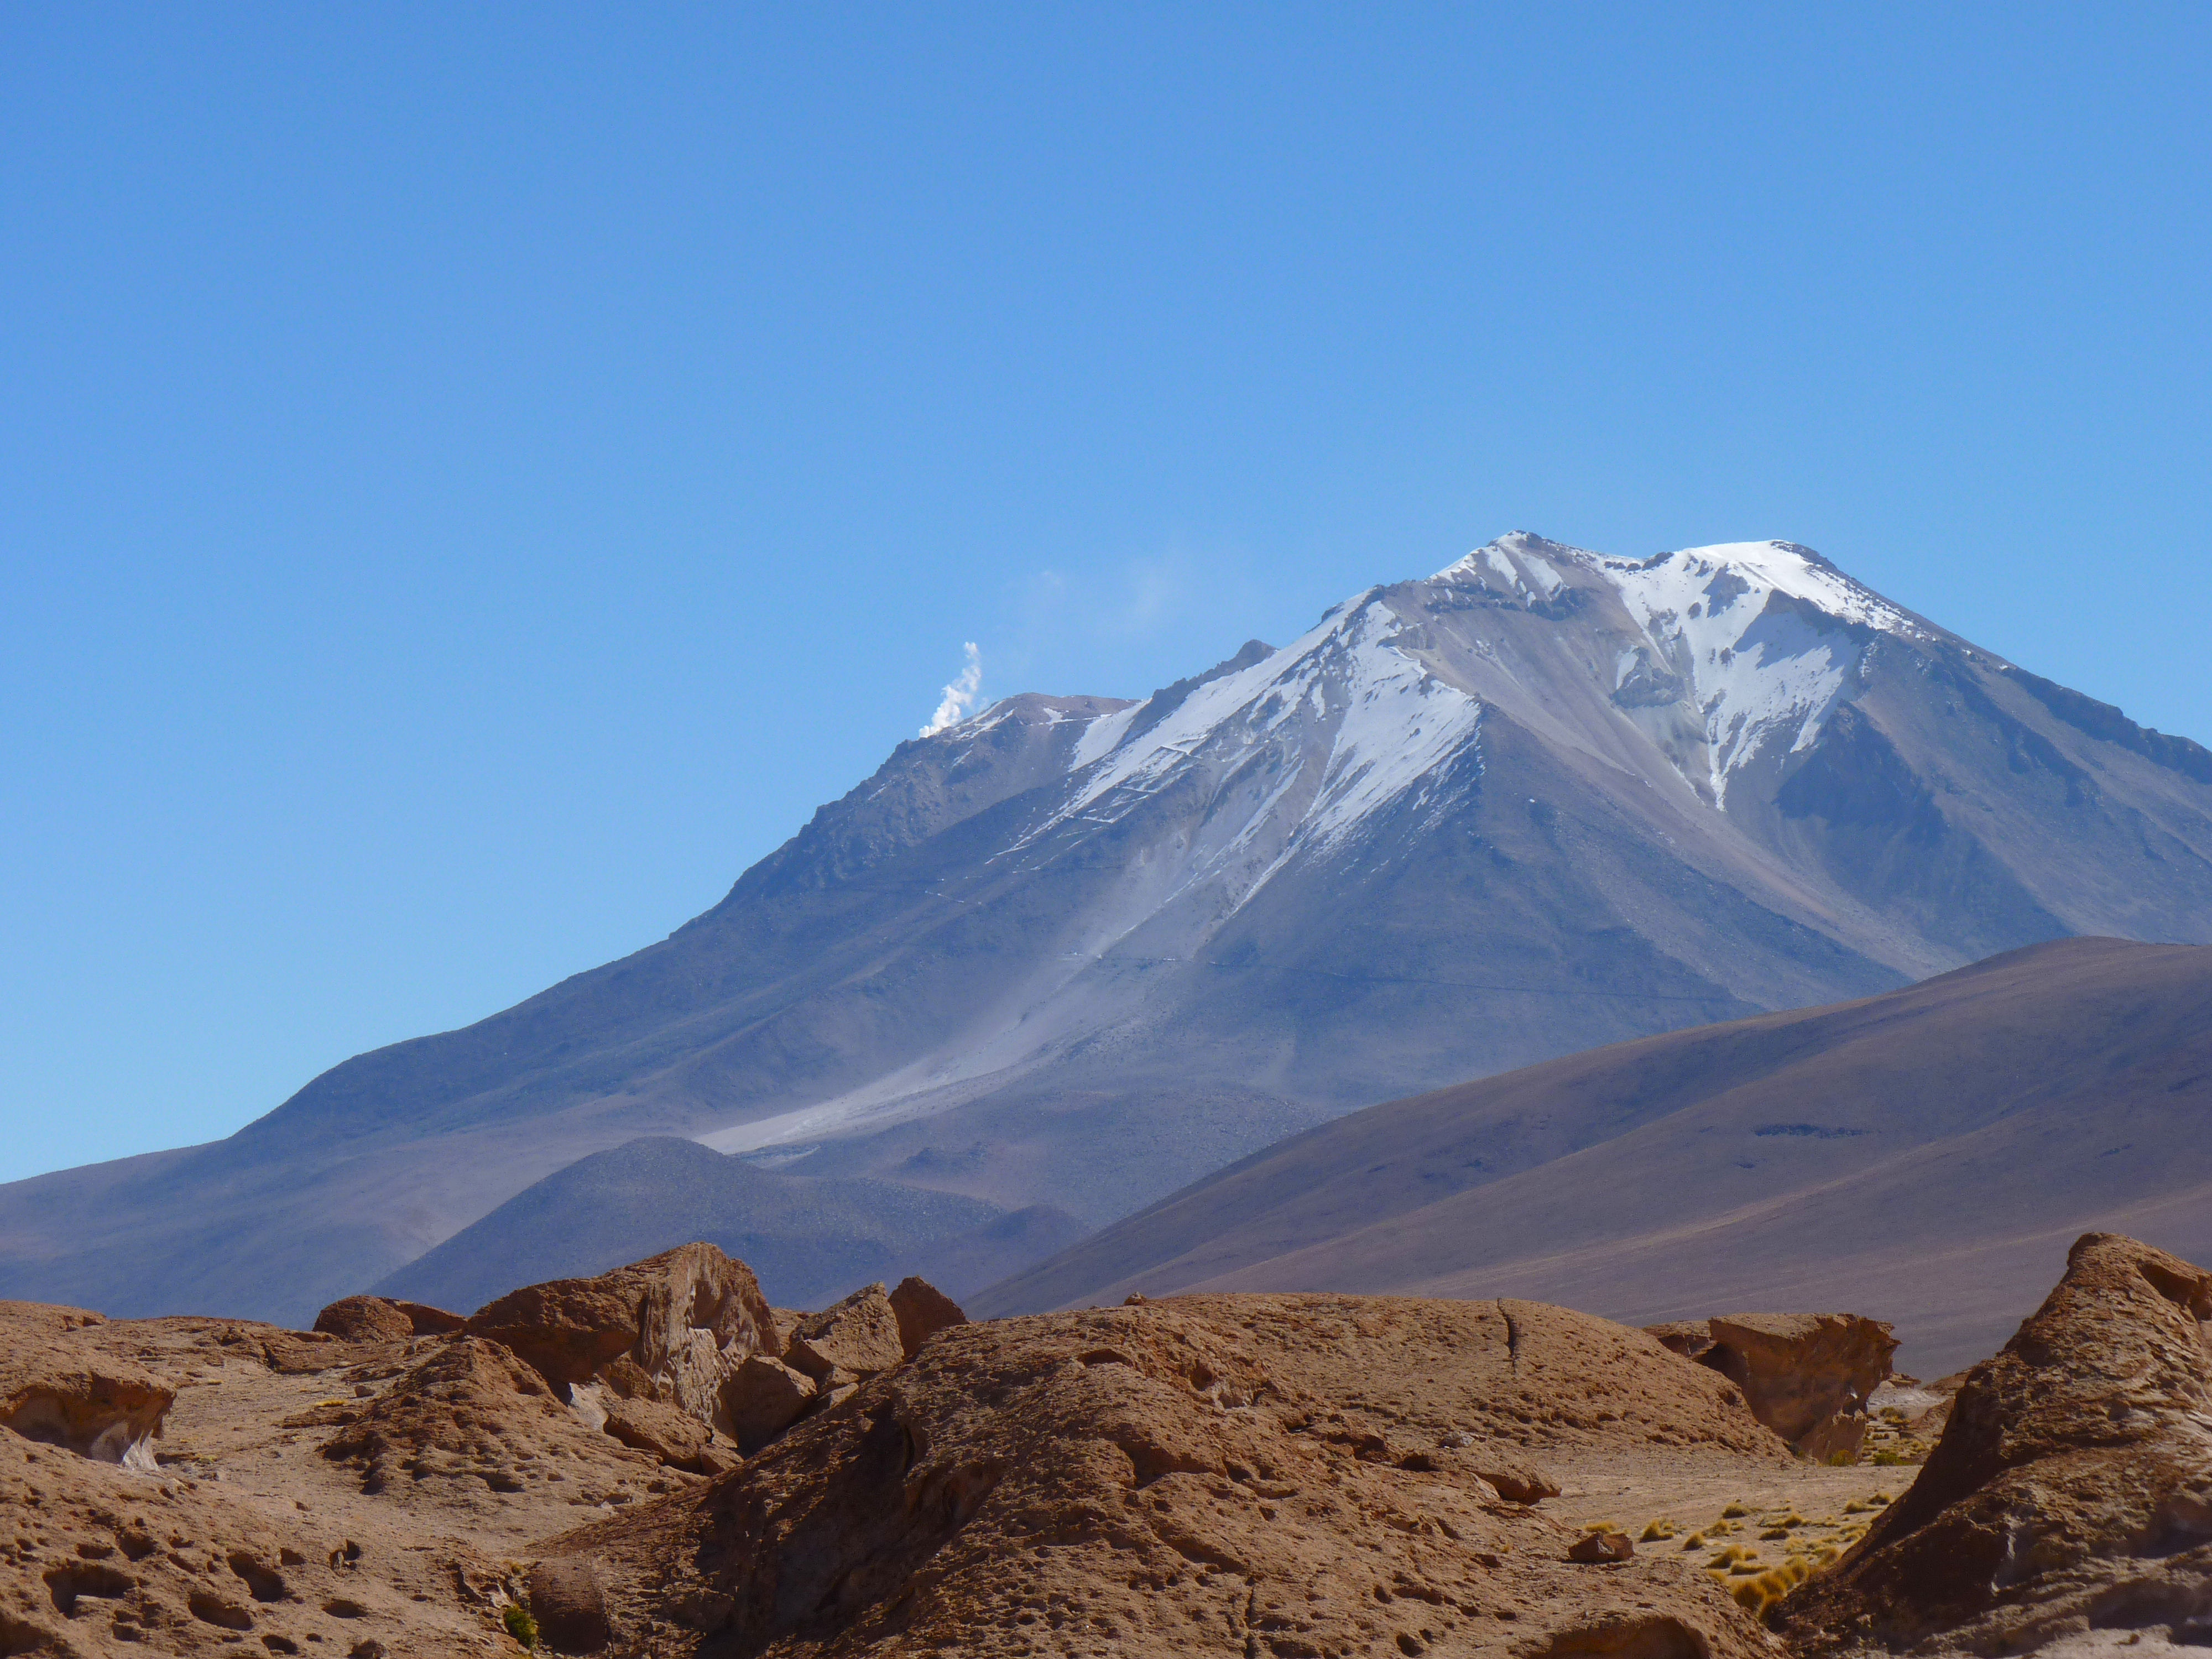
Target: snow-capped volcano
<point>1709,661</point>
<point>1080,951</point>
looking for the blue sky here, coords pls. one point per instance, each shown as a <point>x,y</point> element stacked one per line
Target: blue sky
<point>474,479</point>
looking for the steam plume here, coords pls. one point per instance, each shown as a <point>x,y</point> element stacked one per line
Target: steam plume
<point>960,696</point>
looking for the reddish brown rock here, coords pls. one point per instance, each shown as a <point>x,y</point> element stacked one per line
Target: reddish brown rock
<point>472,1416</point>
<point>761,1399</point>
<point>64,1391</point>
<point>364,1319</point>
<point>1517,1482</point>
<point>2071,1491</point>
<point>684,1318</point>
<point>670,1434</point>
<point>922,1311</point>
<point>1209,1475</point>
<point>860,1337</point>
<point>1807,1377</point>
<point>569,1603</point>
<point>427,1321</point>
<point>1593,1547</point>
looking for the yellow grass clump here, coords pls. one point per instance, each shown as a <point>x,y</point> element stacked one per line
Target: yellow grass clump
<point>1756,1595</point>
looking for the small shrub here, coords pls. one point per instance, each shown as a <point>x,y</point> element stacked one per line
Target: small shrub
<point>1887,1460</point>
<point>519,1625</point>
<point>1695,1540</point>
<point>1657,1529</point>
<point>1734,1511</point>
<point>1773,1532</point>
<point>1840,1460</point>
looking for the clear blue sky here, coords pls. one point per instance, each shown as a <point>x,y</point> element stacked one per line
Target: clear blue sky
<point>473,479</point>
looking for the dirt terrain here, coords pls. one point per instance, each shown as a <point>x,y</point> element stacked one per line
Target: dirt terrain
<point>1279,1474</point>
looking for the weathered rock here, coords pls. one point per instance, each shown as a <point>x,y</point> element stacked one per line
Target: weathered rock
<point>1807,1377</point>
<point>685,1318</point>
<point>44,1319</point>
<point>469,1413</point>
<point>668,1432</point>
<point>427,1321</point>
<point>858,1335</point>
<point>761,1399</point>
<point>65,1391</point>
<point>1517,1482</point>
<point>1208,1475</point>
<point>1593,1547</point>
<point>2072,1490</point>
<point>364,1319</point>
<point>922,1311</point>
<point>569,1604</point>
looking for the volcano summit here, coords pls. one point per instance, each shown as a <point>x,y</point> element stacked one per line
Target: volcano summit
<point>1079,952</point>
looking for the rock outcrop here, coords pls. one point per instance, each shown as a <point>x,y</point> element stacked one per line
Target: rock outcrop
<point>2071,1493</point>
<point>1807,1377</point>
<point>1232,1475</point>
<point>570,1605</point>
<point>469,1415</point>
<point>922,1311</point>
<point>381,1319</point>
<point>670,1329</point>
<point>856,1338</point>
<point>239,1535</point>
<point>68,1394</point>
<point>762,1398</point>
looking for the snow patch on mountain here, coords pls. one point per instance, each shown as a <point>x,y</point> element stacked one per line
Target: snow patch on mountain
<point>1387,719</point>
<point>1767,637</point>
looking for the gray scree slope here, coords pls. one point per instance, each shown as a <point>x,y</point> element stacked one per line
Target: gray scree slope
<point>1080,951</point>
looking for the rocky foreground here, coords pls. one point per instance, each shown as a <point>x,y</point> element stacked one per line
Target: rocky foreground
<point>656,1461</point>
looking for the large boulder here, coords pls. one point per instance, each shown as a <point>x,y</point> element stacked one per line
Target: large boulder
<point>58,1388</point>
<point>670,1327</point>
<point>381,1319</point>
<point>922,1311</point>
<point>2071,1493</point>
<point>570,1605</point>
<point>858,1337</point>
<point>668,1433</point>
<point>761,1399</point>
<point>1807,1377</point>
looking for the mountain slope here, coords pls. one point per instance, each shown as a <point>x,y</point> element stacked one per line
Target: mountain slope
<point>1926,1156</point>
<point>1079,951</point>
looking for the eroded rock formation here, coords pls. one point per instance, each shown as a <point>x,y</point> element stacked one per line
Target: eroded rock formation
<point>670,1329</point>
<point>68,1394</point>
<point>2071,1493</point>
<point>381,1319</point>
<point>1269,1474</point>
<point>1807,1377</point>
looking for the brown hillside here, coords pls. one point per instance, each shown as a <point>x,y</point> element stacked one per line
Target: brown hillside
<point>1926,1155</point>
